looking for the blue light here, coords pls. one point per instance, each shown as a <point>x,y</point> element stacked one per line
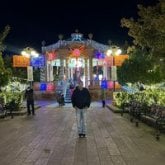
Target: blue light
<point>99,55</point>
<point>104,84</point>
<point>43,87</point>
<point>37,62</point>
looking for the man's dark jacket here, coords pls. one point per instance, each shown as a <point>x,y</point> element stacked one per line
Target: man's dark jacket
<point>29,95</point>
<point>81,98</point>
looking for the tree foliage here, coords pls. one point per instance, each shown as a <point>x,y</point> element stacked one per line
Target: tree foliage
<point>147,63</point>
<point>148,31</point>
<point>4,72</point>
<point>139,67</point>
<point>20,72</point>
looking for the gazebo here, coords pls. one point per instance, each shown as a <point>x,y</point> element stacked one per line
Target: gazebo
<point>76,59</point>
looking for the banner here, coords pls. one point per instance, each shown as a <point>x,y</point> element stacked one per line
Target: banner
<point>30,73</point>
<point>49,72</point>
<point>118,60</point>
<point>113,73</point>
<point>20,61</point>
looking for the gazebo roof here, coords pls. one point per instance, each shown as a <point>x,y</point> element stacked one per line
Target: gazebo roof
<point>76,38</point>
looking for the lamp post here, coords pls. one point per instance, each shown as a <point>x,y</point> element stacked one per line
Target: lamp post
<point>29,52</point>
<point>113,51</point>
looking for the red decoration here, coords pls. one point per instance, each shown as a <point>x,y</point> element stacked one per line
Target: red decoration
<point>50,87</point>
<point>76,52</point>
<point>51,56</point>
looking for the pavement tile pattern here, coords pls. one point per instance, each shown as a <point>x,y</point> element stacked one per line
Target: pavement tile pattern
<point>50,138</point>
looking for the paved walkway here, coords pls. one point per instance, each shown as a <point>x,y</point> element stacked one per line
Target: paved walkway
<point>50,138</point>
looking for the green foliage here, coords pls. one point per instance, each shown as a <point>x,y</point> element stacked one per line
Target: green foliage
<point>139,67</point>
<point>3,35</point>
<point>13,99</point>
<point>147,97</point>
<point>4,72</point>
<point>148,33</point>
<point>20,73</point>
<point>149,29</point>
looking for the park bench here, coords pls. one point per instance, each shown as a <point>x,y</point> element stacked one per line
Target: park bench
<point>2,111</point>
<point>7,109</point>
<point>135,110</point>
<point>155,116</point>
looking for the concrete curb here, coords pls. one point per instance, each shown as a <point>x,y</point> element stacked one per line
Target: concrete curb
<point>114,108</point>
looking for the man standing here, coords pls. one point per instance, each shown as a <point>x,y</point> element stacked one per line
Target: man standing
<point>103,97</point>
<point>81,100</point>
<point>29,100</point>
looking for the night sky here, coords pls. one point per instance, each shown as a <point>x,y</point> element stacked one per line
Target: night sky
<point>32,22</point>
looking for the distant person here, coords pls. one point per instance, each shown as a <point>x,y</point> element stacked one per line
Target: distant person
<point>30,101</point>
<point>81,100</point>
<point>141,86</point>
<point>60,99</point>
<point>103,97</point>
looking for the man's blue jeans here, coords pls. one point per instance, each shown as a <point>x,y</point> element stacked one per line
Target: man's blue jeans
<point>81,120</point>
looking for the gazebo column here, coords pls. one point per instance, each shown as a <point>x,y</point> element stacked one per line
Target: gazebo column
<point>67,69</point>
<point>105,71</point>
<point>86,72</point>
<point>43,74</point>
<point>91,70</point>
<point>61,74</point>
<point>71,73</point>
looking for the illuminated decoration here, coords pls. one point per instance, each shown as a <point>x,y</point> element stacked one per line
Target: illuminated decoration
<point>50,87</point>
<point>55,62</point>
<point>111,85</point>
<point>43,87</point>
<point>37,62</point>
<point>29,52</point>
<point>36,86</point>
<point>73,62</point>
<point>118,60</point>
<point>51,56</point>
<point>76,36</point>
<point>109,61</point>
<point>76,52</point>
<point>20,61</point>
<point>99,55</point>
<point>104,84</point>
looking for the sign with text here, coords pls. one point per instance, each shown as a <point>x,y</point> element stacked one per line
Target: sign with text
<point>20,61</point>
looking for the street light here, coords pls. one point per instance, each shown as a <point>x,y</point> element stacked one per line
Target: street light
<point>29,53</point>
<point>113,51</point>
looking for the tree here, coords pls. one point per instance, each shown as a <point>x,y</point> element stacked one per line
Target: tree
<point>4,72</point>
<point>148,33</point>
<point>139,67</point>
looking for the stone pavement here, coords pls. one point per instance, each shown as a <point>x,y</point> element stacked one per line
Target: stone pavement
<point>50,138</point>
